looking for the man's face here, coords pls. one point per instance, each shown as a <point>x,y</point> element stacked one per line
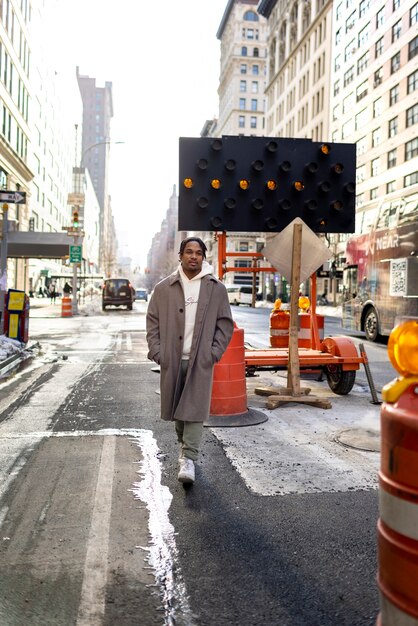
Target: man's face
<point>192,258</point>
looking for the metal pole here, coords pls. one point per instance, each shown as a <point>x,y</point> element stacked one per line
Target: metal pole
<point>375,399</point>
<point>75,303</point>
<point>3,265</point>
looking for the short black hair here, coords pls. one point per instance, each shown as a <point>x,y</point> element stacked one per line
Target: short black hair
<point>197,240</point>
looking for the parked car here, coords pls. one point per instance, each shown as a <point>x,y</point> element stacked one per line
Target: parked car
<point>240,294</point>
<point>141,294</point>
<point>117,292</point>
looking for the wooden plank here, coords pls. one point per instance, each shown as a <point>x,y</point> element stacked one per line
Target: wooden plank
<point>275,401</point>
<point>293,373</point>
<point>275,391</point>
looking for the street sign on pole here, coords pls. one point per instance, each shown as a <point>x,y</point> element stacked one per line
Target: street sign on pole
<point>75,254</point>
<point>13,197</point>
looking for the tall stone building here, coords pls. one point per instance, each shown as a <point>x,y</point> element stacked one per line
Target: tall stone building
<point>95,142</point>
<point>243,36</point>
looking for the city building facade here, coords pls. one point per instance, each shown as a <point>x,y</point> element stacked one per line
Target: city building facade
<point>95,147</point>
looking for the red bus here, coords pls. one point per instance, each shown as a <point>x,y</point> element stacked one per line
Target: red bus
<point>380,280</point>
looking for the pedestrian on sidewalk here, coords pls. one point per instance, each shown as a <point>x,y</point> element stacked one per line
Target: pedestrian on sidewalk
<point>52,293</point>
<point>189,327</point>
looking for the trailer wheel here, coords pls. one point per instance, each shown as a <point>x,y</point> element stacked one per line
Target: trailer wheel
<point>340,381</point>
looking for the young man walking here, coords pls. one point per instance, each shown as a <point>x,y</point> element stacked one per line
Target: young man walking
<point>189,327</point>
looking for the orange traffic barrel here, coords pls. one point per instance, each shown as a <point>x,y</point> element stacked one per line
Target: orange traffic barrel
<point>228,405</point>
<point>304,333</point>
<point>398,494</point>
<point>66,307</point>
<point>279,329</point>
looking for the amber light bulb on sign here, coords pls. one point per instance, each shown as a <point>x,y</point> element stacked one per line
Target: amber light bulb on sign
<point>215,183</point>
<point>325,148</point>
<point>188,183</point>
<point>244,184</point>
<point>403,348</point>
<point>271,185</point>
<point>298,185</point>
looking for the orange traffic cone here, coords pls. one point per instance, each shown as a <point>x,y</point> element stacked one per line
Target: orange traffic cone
<point>229,391</point>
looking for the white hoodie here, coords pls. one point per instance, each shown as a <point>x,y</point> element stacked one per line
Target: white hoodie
<point>191,288</point>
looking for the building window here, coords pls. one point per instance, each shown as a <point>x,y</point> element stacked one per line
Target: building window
<point>394,95</point>
<point>361,91</point>
<point>349,76</point>
<point>395,63</point>
<point>411,149</point>
<point>413,48</point>
<point>393,127</point>
<point>243,68</point>
<point>244,51</point>
<point>242,104</point>
<point>375,167</point>
<point>378,47</point>
<point>396,4</point>
<point>338,37</point>
<point>363,7</point>
<point>412,116</point>
<point>376,137</point>
<point>378,77</point>
<point>361,119</point>
<point>411,179</point>
<point>362,63</point>
<point>413,81</point>
<point>336,88</point>
<point>360,174</point>
<point>255,52</point>
<point>361,145</point>
<point>396,31</point>
<point>363,36</point>
<point>350,21</point>
<point>241,121</point>
<point>391,158</point>
<point>380,17</point>
<point>338,12</point>
<point>413,14</point>
<point>337,62</point>
<point>373,193</point>
<point>250,16</point>
<point>255,70</point>
<point>249,33</point>
<point>377,107</point>
<point>349,50</point>
<point>391,186</point>
<point>253,121</point>
<point>242,86</point>
<point>254,104</point>
<point>254,86</point>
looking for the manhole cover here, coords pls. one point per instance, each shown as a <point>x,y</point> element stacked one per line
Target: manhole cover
<point>360,439</point>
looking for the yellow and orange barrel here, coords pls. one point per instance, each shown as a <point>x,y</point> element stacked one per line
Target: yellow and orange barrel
<point>398,484</point>
<point>304,332</point>
<point>66,307</point>
<point>279,326</point>
<point>229,387</point>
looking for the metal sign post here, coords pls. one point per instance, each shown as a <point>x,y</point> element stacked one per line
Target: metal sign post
<point>3,264</point>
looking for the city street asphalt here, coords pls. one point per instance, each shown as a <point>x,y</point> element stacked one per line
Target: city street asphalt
<point>358,417</point>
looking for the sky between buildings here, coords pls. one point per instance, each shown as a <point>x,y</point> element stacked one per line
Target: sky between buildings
<point>163,60</point>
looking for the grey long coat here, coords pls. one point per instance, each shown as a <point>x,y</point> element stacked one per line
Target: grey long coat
<point>165,332</point>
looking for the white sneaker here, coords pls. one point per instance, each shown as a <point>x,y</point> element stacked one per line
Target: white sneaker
<point>186,473</point>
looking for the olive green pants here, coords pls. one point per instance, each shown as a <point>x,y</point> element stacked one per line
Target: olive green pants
<point>189,434</point>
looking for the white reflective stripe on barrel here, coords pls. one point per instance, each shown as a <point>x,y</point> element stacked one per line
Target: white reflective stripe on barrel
<point>390,615</point>
<point>400,515</point>
<point>305,333</point>
<point>274,332</point>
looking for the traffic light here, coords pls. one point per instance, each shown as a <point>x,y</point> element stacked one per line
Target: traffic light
<point>259,184</point>
<point>76,217</point>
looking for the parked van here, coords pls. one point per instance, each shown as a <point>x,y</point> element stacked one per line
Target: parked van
<point>117,292</point>
<point>240,294</point>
